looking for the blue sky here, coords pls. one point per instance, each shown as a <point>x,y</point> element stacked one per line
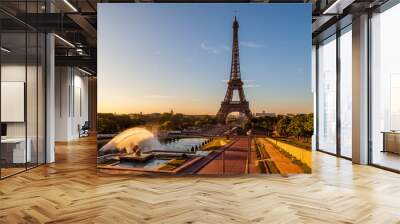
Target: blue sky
<point>158,57</point>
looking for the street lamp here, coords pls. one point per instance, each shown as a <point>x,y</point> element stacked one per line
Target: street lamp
<point>249,151</point>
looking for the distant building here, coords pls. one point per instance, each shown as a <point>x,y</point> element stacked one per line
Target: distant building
<point>264,114</point>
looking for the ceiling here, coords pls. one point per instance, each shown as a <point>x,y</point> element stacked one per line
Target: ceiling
<point>75,21</point>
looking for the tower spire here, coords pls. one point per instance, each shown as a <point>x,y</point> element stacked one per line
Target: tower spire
<point>235,15</point>
<point>235,66</point>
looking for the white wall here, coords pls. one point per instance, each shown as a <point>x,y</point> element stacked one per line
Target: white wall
<point>71,102</point>
<point>12,73</point>
<point>33,127</point>
<point>62,81</point>
<point>80,112</point>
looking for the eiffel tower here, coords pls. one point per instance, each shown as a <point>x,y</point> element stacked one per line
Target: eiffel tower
<point>234,83</point>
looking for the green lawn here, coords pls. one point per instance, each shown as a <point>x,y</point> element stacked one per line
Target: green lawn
<point>294,142</point>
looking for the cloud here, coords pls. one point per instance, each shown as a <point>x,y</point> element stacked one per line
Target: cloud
<point>215,49</point>
<point>248,80</point>
<point>208,48</point>
<point>251,44</point>
<point>251,86</point>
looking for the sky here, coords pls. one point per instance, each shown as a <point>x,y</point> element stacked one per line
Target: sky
<point>163,57</point>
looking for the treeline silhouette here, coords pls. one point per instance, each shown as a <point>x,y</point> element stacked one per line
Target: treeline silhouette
<point>298,126</point>
<point>109,123</point>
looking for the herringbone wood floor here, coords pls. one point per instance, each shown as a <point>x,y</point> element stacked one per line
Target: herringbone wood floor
<point>71,191</point>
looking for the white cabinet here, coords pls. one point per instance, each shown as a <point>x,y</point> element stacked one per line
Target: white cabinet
<point>19,155</point>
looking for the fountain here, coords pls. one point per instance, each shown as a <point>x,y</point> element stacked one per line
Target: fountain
<point>138,149</point>
<point>141,140</point>
<point>130,140</point>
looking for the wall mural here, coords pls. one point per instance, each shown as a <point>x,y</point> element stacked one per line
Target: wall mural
<point>205,89</point>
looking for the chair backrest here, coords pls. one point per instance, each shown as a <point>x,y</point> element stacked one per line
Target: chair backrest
<point>86,125</point>
<point>3,129</point>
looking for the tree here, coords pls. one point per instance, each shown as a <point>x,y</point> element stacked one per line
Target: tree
<point>301,125</point>
<point>167,125</point>
<point>108,123</point>
<point>282,126</point>
<point>165,117</point>
<point>198,123</point>
<point>296,127</point>
<point>268,123</point>
<point>309,125</point>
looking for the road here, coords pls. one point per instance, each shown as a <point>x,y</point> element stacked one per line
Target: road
<point>232,161</point>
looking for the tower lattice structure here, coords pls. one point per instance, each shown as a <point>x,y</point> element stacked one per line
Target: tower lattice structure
<point>235,83</point>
